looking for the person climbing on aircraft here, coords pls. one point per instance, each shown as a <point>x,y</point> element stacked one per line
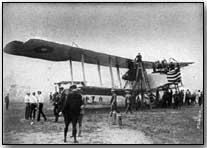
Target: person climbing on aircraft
<point>138,58</point>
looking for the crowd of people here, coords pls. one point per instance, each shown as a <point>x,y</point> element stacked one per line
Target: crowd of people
<point>178,98</point>
<point>164,66</point>
<point>170,99</point>
<point>71,104</point>
<point>34,103</point>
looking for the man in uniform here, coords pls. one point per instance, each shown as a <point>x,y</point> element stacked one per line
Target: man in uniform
<point>71,111</point>
<point>7,101</point>
<point>40,99</point>
<point>113,101</point>
<point>55,104</point>
<point>187,97</point>
<point>176,100</point>
<point>128,101</point>
<point>27,104</point>
<point>82,111</point>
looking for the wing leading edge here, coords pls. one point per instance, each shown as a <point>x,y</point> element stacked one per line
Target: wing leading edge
<point>36,48</point>
<point>41,49</point>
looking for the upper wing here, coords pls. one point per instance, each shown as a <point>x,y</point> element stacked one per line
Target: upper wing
<point>36,48</point>
<point>41,49</point>
<point>183,64</point>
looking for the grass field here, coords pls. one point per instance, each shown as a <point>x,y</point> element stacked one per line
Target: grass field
<point>156,126</point>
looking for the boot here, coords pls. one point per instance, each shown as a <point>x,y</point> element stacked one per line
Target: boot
<point>79,133</point>
<point>75,140</point>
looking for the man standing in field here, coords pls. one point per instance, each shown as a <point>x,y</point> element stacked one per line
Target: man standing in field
<point>27,106</point>
<point>7,101</point>
<point>176,100</point>
<point>71,111</point>
<point>62,95</point>
<point>187,97</point>
<point>82,112</point>
<point>40,99</point>
<point>200,99</point>
<point>128,101</point>
<point>113,101</point>
<point>33,102</point>
<point>55,104</point>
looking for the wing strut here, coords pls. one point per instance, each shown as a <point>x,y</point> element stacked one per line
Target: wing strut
<point>83,68</point>
<point>118,75</point>
<point>71,71</point>
<point>99,73</point>
<point>111,72</point>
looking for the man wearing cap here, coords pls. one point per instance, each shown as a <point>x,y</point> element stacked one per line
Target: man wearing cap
<point>58,98</point>
<point>71,111</point>
<point>128,101</point>
<point>27,103</point>
<point>40,99</point>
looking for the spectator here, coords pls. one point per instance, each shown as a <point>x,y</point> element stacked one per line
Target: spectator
<point>27,104</point>
<point>7,101</point>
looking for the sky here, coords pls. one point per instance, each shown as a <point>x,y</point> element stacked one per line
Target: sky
<point>156,30</point>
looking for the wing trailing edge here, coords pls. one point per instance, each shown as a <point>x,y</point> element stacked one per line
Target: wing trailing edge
<point>41,49</point>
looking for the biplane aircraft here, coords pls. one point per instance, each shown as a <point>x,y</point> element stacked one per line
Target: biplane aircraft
<point>136,77</point>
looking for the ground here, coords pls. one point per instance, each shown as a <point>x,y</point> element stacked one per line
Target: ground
<point>156,126</point>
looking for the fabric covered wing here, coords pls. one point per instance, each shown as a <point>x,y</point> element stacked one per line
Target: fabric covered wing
<point>183,64</point>
<point>41,49</point>
<point>36,48</point>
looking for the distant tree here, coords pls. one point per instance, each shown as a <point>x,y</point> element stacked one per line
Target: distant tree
<point>9,82</point>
